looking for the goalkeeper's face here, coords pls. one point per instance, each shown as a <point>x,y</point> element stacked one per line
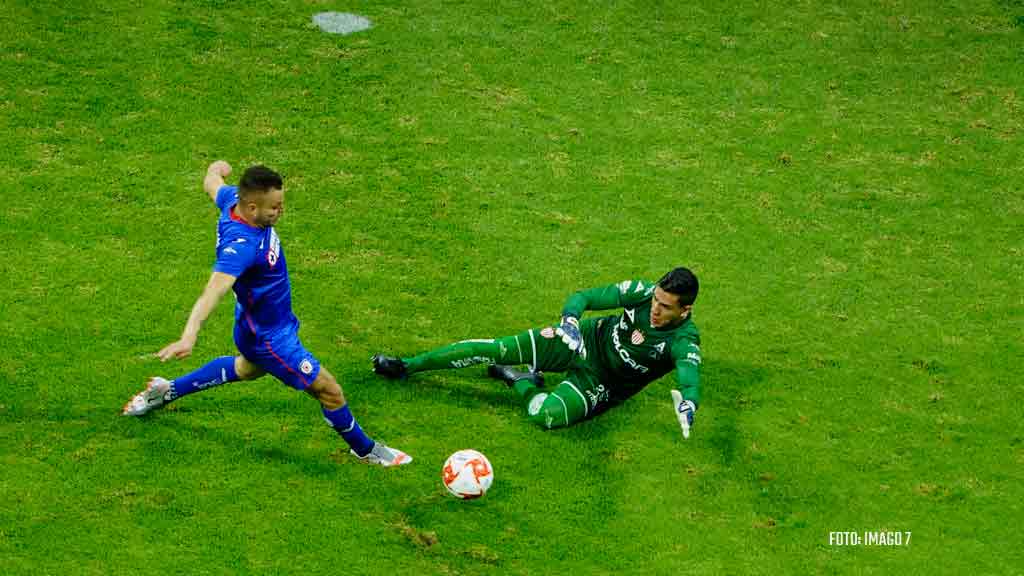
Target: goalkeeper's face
<point>666,311</point>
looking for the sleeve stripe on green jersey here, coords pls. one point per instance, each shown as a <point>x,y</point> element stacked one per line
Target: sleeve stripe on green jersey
<point>586,407</point>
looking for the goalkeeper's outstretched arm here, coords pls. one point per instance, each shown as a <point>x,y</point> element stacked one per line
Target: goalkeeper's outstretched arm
<point>686,396</point>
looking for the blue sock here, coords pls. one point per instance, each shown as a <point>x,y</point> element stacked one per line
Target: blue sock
<point>346,426</point>
<point>215,373</point>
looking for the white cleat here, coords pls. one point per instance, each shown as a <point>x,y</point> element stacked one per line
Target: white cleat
<point>384,456</point>
<point>152,397</point>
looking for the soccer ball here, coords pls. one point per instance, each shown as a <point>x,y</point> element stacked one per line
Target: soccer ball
<point>467,474</point>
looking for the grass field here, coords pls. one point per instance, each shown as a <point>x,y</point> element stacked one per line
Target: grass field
<point>846,178</point>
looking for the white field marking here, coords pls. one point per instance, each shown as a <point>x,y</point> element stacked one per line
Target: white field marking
<point>341,22</point>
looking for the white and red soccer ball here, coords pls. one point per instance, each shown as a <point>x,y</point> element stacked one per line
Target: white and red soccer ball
<point>467,474</point>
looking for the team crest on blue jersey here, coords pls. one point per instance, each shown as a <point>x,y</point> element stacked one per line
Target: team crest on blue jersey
<point>275,248</point>
<point>307,367</point>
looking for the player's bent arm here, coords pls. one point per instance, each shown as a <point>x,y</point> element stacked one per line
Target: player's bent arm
<point>593,299</point>
<point>214,179</point>
<point>601,298</point>
<point>216,287</point>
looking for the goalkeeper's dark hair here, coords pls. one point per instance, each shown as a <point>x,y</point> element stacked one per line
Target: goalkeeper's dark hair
<point>682,283</point>
<point>258,179</point>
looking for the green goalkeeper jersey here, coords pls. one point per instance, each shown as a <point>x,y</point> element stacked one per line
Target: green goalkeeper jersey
<point>626,350</point>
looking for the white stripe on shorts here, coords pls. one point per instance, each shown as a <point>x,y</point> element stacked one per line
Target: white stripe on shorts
<point>520,348</point>
<point>586,409</point>
<point>565,409</point>
<point>533,345</point>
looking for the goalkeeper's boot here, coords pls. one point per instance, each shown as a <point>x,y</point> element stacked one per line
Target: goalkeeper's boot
<point>155,395</point>
<point>510,375</point>
<point>383,456</point>
<point>389,367</point>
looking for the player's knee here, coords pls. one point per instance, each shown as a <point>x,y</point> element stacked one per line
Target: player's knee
<point>330,397</point>
<point>327,390</point>
<point>246,370</point>
<point>546,411</point>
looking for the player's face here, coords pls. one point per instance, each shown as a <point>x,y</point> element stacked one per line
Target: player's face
<point>269,207</point>
<point>666,311</point>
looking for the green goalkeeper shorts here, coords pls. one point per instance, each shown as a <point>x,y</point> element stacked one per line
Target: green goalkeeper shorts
<point>579,395</point>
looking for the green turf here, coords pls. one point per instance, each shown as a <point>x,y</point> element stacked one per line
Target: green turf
<point>845,178</point>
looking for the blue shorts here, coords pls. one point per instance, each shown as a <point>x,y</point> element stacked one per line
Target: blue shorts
<point>281,355</point>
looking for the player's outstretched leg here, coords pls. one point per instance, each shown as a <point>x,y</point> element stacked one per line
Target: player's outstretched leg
<point>524,348</point>
<point>338,416</point>
<point>159,391</point>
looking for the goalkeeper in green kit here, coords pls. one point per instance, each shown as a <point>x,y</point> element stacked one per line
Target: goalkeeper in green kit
<point>605,359</point>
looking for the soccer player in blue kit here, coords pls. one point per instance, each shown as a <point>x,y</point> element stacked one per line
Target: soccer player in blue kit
<point>250,261</point>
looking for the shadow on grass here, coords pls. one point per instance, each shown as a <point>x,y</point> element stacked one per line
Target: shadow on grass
<point>261,446</point>
<point>728,386</point>
<point>469,386</point>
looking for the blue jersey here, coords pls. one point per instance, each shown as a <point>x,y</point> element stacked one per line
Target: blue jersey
<point>254,256</point>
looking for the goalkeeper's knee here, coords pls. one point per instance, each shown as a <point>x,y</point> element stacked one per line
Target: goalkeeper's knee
<point>548,411</point>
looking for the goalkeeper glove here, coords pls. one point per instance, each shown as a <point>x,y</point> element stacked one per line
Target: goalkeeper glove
<point>569,330</point>
<point>684,410</point>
